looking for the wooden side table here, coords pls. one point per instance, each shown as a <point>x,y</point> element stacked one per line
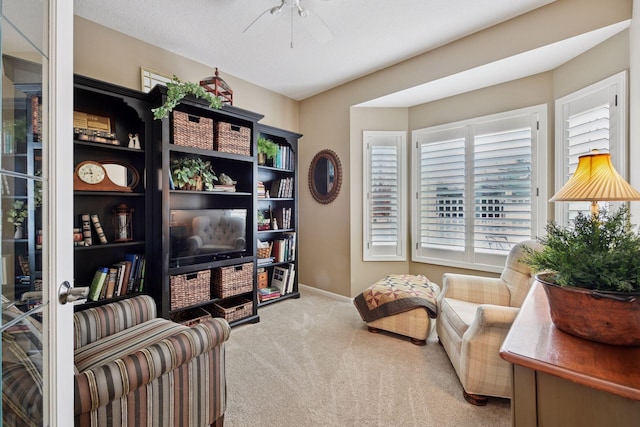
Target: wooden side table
<point>562,380</point>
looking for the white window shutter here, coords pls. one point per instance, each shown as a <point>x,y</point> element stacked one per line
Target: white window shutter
<point>384,196</point>
<point>592,118</point>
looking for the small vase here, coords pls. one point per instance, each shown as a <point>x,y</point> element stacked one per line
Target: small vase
<point>261,159</point>
<point>18,233</point>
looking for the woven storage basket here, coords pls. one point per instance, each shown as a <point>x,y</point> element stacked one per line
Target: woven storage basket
<point>264,252</point>
<point>233,309</point>
<point>189,289</point>
<point>191,317</point>
<point>192,131</point>
<point>232,139</point>
<point>233,280</point>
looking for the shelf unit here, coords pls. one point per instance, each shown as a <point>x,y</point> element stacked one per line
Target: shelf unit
<point>129,113</point>
<point>280,175</point>
<point>170,204</point>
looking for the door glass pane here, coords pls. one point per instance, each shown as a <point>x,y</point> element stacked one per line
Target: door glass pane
<point>23,65</point>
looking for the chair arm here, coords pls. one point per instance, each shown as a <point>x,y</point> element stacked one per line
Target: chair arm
<point>490,316</point>
<point>475,289</point>
<point>194,243</point>
<point>99,386</point>
<point>98,322</point>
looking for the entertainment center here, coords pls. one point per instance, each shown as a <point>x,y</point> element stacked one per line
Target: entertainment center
<point>196,244</point>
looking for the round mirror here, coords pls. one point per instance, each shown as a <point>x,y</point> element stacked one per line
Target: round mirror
<point>325,176</point>
<point>121,173</point>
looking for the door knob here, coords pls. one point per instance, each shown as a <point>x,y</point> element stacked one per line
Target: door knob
<point>67,293</point>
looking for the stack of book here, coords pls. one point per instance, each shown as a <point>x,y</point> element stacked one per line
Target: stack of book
<point>262,191</point>
<point>265,294</point>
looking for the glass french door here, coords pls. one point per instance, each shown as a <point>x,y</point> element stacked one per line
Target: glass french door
<point>36,60</point>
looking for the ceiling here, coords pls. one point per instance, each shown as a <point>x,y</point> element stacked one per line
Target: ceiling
<point>280,54</point>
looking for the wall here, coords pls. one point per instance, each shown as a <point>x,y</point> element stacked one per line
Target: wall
<point>328,263</point>
<point>105,54</point>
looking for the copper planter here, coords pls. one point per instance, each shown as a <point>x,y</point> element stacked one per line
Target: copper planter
<point>605,317</point>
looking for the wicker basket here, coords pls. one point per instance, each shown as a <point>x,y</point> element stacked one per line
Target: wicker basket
<point>192,131</point>
<point>233,309</point>
<point>233,280</point>
<point>264,252</point>
<point>232,139</point>
<point>189,289</point>
<point>191,317</point>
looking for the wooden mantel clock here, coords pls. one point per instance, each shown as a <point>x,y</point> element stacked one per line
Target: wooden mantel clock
<point>92,175</point>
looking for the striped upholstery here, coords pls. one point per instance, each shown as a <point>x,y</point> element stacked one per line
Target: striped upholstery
<point>158,374</point>
<point>474,315</point>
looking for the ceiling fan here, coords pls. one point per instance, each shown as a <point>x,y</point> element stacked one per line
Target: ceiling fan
<point>311,22</point>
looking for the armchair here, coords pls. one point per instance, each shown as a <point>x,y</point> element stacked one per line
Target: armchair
<point>474,315</point>
<point>135,369</point>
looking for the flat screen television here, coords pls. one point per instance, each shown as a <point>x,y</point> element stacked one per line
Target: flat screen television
<point>203,235</point>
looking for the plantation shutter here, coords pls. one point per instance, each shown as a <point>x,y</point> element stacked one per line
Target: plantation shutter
<point>590,119</point>
<point>502,185</point>
<point>441,193</point>
<point>384,200</point>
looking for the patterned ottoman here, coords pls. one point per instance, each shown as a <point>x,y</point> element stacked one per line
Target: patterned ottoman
<point>402,304</point>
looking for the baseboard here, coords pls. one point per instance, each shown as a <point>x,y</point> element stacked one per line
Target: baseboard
<point>323,292</point>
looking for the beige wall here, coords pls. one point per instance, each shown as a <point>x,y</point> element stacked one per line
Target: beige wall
<point>327,262</point>
<point>330,236</point>
<point>108,55</point>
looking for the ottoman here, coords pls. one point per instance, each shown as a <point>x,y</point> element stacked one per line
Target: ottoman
<point>403,304</point>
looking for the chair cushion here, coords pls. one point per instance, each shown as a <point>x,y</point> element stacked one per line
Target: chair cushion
<point>457,313</point>
<point>124,343</point>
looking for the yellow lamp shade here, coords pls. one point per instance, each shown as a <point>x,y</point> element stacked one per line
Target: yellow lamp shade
<point>595,179</point>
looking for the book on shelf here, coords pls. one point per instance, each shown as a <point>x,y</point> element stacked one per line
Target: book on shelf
<point>279,279</point>
<point>95,220</point>
<point>111,282</point>
<point>265,294</point>
<point>86,229</point>
<point>97,283</point>
<point>291,278</point>
<point>265,261</point>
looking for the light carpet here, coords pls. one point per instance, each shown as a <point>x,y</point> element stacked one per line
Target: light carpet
<point>312,362</point>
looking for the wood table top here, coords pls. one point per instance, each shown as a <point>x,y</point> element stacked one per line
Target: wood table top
<point>535,343</point>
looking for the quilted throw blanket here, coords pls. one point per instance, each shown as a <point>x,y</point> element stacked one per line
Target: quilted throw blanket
<point>395,294</point>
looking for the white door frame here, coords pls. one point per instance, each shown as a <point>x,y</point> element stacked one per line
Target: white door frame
<point>59,215</point>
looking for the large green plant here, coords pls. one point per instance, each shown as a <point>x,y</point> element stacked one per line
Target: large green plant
<point>185,173</point>
<point>599,252</point>
<point>176,90</point>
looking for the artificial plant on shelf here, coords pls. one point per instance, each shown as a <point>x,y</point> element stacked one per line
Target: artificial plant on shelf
<point>16,216</point>
<point>266,148</point>
<point>178,89</point>
<point>192,174</point>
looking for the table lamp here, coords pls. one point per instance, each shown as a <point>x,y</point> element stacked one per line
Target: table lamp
<point>595,179</point>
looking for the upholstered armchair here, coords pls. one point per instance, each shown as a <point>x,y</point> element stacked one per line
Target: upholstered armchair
<point>474,315</point>
<point>133,369</point>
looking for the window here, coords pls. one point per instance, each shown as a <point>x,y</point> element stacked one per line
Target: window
<point>592,118</point>
<point>477,188</point>
<point>385,206</point>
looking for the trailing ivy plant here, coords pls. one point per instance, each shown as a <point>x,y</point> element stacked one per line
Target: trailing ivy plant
<point>176,90</point>
<point>600,252</point>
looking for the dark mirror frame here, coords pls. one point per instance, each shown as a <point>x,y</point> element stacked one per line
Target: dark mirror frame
<point>319,195</point>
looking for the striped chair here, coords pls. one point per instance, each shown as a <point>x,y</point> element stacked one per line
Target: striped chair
<point>474,315</point>
<point>133,369</point>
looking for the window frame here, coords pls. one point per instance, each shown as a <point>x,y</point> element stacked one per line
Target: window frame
<point>616,88</point>
<point>399,140</point>
<point>469,258</point>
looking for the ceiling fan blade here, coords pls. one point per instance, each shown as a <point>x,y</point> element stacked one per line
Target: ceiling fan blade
<point>262,22</point>
<point>316,27</point>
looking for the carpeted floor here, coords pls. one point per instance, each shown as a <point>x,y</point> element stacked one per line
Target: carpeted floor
<point>312,362</point>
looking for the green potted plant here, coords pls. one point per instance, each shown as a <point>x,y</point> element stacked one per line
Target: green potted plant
<point>267,149</point>
<point>190,173</point>
<point>590,271</point>
<point>16,216</point>
<point>178,89</point>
